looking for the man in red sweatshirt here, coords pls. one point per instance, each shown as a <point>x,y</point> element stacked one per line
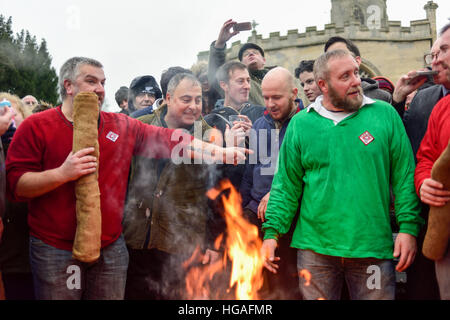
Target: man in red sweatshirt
<point>432,192</point>
<point>433,144</point>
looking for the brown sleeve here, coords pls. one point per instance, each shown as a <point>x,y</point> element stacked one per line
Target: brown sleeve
<point>86,247</point>
<point>438,232</point>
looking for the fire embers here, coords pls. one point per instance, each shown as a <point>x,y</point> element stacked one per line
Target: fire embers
<point>305,274</point>
<point>242,247</point>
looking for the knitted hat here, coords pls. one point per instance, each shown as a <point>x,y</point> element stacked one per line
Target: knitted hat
<point>385,83</point>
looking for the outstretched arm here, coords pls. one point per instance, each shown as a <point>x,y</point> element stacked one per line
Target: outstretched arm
<point>212,153</point>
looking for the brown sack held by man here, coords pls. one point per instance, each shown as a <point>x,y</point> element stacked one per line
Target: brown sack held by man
<point>438,232</point>
<point>86,247</point>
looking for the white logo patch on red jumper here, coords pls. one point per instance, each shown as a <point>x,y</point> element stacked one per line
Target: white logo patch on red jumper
<point>366,138</point>
<point>112,136</point>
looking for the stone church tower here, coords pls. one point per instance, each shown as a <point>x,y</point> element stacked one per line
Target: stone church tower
<point>387,48</point>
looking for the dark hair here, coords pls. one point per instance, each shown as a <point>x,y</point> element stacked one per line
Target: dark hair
<point>444,29</point>
<point>350,45</point>
<point>42,106</point>
<point>223,74</point>
<point>168,74</point>
<point>121,95</point>
<point>304,66</point>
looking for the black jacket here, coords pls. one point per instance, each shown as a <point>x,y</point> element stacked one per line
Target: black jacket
<point>218,118</point>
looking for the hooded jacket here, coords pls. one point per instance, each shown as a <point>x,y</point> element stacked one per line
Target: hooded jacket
<point>2,181</point>
<point>137,85</point>
<point>372,90</point>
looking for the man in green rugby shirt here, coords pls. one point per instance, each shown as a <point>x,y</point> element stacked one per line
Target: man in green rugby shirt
<point>339,156</point>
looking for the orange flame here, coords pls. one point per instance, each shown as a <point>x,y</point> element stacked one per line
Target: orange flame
<point>307,275</point>
<point>242,248</point>
<point>198,278</point>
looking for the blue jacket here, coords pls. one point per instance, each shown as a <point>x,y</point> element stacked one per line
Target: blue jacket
<point>259,172</point>
<point>147,110</point>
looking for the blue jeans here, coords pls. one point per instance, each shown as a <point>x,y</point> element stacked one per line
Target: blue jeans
<point>443,275</point>
<point>57,276</point>
<point>366,278</point>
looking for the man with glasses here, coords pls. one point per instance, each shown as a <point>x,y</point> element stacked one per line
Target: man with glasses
<point>421,280</point>
<point>416,117</point>
<point>250,54</point>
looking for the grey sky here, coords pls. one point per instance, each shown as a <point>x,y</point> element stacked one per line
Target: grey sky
<point>134,37</point>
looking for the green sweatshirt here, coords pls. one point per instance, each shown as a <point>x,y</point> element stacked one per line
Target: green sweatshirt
<point>342,174</point>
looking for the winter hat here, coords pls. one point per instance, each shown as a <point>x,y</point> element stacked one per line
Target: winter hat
<point>145,84</point>
<point>385,83</point>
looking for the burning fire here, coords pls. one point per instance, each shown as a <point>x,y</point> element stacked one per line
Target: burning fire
<point>242,248</point>
<point>307,276</point>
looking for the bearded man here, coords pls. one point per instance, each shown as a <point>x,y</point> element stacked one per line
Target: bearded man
<point>338,157</point>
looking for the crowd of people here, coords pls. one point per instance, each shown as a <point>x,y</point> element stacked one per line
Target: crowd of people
<point>339,184</point>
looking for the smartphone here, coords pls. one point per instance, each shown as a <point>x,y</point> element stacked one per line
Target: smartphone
<point>243,26</point>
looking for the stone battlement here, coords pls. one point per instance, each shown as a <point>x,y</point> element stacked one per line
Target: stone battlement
<point>382,43</point>
<point>418,30</point>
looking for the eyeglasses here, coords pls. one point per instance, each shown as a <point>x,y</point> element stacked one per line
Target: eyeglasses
<point>429,58</point>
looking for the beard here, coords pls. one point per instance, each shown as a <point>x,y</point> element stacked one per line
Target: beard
<point>347,104</point>
<point>285,111</point>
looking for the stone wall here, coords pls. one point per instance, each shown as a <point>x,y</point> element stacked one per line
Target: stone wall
<point>391,50</point>
<point>382,50</point>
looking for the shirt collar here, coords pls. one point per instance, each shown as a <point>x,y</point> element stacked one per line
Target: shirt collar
<point>445,91</point>
<point>316,105</point>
